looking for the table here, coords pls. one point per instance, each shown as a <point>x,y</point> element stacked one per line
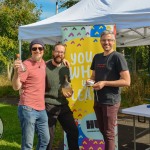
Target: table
<point>140,110</point>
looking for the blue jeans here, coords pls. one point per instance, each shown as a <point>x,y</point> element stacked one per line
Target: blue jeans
<point>32,120</point>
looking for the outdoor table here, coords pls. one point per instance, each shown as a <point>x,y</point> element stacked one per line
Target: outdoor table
<point>140,110</point>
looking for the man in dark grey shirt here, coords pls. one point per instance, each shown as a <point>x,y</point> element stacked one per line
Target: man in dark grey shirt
<point>110,72</point>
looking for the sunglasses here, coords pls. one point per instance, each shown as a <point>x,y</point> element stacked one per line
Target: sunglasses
<point>39,48</point>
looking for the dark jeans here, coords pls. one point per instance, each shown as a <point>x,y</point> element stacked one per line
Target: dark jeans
<point>64,115</point>
<point>106,117</point>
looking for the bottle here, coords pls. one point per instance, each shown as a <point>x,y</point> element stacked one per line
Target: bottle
<point>22,67</point>
<point>66,87</point>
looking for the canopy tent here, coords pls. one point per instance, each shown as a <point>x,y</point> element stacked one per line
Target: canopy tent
<point>132,19</point>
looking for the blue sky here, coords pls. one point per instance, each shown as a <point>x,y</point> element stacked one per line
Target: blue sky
<point>48,7</point>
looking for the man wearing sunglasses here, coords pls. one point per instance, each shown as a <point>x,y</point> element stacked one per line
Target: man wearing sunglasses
<point>31,108</point>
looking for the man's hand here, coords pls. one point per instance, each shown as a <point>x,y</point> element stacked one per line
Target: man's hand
<point>99,85</point>
<point>66,63</point>
<point>15,79</point>
<point>17,64</point>
<point>67,92</point>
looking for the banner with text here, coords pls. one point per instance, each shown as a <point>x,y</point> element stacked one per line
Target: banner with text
<point>82,43</point>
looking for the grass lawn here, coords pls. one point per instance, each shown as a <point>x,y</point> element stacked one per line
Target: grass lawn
<point>11,138</point>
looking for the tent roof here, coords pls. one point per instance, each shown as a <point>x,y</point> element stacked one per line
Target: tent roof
<point>132,19</point>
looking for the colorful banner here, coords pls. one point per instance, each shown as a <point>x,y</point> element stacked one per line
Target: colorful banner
<point>82,43</point>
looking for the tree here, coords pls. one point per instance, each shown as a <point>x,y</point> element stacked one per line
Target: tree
<point>68,3</point>
<point>13,13</point>
<point>137,57</point>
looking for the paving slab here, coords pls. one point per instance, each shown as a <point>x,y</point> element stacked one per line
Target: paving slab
<point>126,134</point>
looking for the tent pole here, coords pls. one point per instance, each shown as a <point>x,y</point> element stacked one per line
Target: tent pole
<point>20,48</point>
<point>57,7</point>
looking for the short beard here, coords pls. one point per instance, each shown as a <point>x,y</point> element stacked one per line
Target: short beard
<point>37,58</point>
<point>57,62</point>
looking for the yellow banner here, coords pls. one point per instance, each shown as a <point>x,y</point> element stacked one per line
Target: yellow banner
<point>82,43</point>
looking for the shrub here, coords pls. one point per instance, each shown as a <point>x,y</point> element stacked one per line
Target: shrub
<point>136,93</point>
<point>6,89</point>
